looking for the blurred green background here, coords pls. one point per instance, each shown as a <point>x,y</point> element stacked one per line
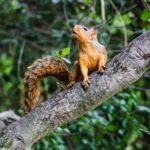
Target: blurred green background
<point>31,29</point>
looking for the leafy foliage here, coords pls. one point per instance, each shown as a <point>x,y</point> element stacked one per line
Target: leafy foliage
<point>63,53</point>
<point>115,125</point>
<point>30,29</point>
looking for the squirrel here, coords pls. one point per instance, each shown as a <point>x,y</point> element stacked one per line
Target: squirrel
<point>92,56</point>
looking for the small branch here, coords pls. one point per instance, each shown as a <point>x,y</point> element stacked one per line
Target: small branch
<point>103,10</point>
<point>20,60</point>
<point>67,21</point>
<point>66,15</point>
<point>140,88</point>
<point>123,23</point>
<point>9,115</point>
<point>148,132</point>
<point>145,4</point>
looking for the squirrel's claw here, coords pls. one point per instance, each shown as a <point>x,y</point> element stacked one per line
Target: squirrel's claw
<point>86,83</point>
<point>70,84</point>
<point>101,69</point>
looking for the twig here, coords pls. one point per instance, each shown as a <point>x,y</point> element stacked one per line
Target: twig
<point>140,88</point>
<point>148,132</point>
<point>103,24</point>
<point>103,10</point>
<point>147,5</point>
<point>122,6</point>
<point>19,60</point>
<point>67,21</point>
<point>46,32</point>
<point>9,115</point>
<point>130,8</point>
<point>33,44</point>
<point>66,15</point>
<point>147,75</point>
<point>110,20</point>
<point>123,24</point>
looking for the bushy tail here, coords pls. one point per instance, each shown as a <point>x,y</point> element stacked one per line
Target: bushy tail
<point>48,66</point>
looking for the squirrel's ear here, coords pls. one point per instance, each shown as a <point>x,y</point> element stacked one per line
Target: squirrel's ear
<point>93,31</point>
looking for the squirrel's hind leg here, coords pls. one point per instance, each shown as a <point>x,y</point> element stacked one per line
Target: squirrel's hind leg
<point>101,64</point>
<point>74,74</point>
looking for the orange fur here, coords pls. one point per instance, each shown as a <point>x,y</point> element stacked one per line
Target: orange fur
<point>92,56</point>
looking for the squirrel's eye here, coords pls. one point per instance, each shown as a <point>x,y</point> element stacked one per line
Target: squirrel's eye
<point>85,29</point>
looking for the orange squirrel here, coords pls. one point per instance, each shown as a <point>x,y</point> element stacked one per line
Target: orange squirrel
<point>92,56</point>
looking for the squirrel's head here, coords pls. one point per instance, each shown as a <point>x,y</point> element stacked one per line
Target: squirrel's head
<point>83,34</point>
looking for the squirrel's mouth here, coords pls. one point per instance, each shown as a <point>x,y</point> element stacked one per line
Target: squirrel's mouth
<point>74,32</point>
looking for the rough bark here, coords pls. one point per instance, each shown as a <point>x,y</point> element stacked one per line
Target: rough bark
<point>9,116</point>
<point>123,70</point>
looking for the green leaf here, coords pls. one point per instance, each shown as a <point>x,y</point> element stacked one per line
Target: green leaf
<point>143,109</point>
<point>57,53</point>
<point>65,51</point>
<point>112,128</point>
<point>85,141</point>
<point>7,70</point>
<point>145,15</point>
<point>127,19</point>
<point>15,4</point>
<point>118,21</point>
<point>7,86</point>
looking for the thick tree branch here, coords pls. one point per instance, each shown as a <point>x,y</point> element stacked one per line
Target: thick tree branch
<point>9,116</point>
<point>123,70</point>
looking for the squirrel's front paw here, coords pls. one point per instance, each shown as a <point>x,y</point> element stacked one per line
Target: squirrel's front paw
<point>101,69</point>
<point>70,84</point>
<point>86,83</point>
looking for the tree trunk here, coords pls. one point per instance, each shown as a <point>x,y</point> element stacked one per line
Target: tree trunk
<point>123,70</point>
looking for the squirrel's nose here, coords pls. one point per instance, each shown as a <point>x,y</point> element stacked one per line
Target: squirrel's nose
<point>72,25</point>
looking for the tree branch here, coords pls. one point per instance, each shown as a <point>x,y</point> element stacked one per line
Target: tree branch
<point>123,70</point>
<point>9,116</point>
